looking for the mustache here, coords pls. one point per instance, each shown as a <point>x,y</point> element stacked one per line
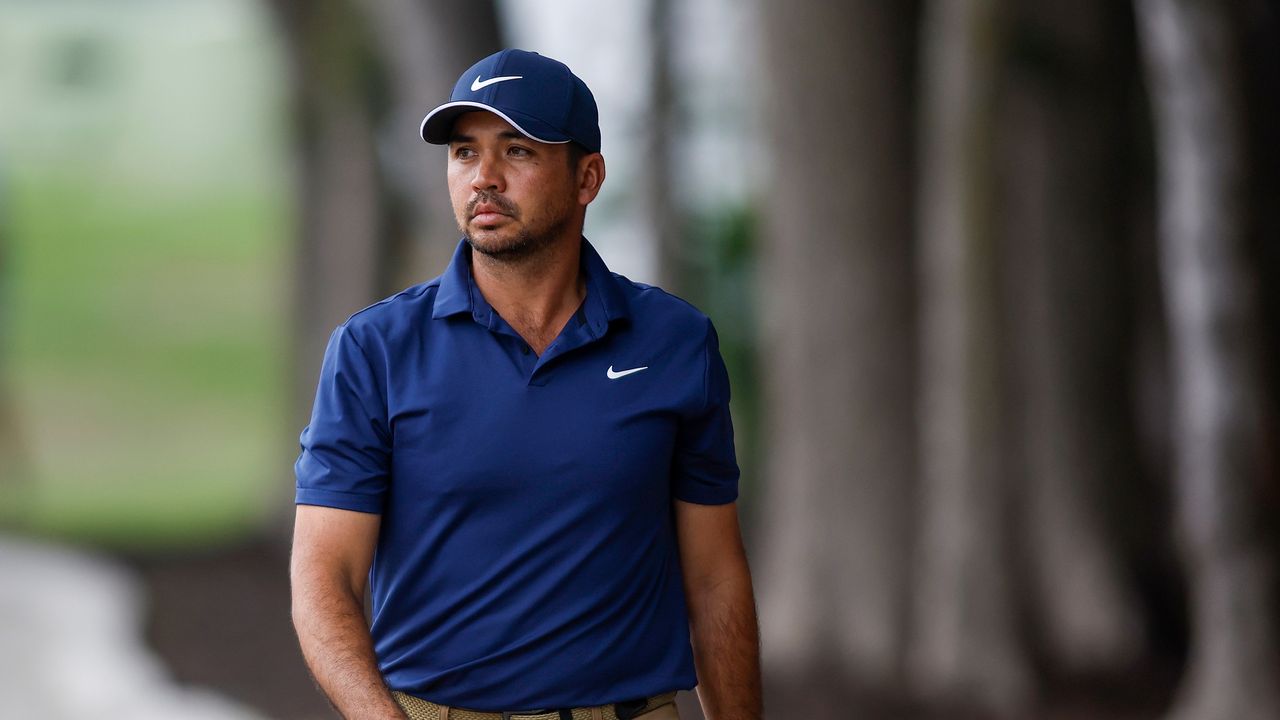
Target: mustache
<point>505,206</point>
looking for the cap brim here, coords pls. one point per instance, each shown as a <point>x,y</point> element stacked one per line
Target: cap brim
<point>437,126</point>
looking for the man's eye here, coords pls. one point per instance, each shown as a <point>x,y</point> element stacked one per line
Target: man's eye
<point>463,153</point>
<point>518,151</point>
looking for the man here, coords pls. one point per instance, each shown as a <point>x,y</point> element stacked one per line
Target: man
<point>532,454</point>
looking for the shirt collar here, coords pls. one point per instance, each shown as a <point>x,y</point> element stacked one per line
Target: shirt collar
<point>605,301</point>
<point>454,295</point>
<point>610,303</point>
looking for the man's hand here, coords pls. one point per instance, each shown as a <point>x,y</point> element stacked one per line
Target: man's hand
<point>332,551</point>
<point>722,613</point>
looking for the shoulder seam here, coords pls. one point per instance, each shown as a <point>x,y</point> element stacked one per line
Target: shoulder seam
<point>645,287</point>
<point>414,290</point>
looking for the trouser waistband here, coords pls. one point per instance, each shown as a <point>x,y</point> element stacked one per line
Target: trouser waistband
<point>418,709</point>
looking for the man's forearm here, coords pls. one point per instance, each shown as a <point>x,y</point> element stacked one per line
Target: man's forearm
<point>336,645</point>
<point>726,647</point>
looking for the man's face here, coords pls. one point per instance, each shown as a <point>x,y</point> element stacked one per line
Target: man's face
<point>511,195</point>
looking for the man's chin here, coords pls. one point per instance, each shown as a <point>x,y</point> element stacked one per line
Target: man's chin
<point>486,240</point>
<point>497,246</point>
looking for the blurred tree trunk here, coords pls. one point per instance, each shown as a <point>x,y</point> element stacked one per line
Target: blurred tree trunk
<point>1225,454</point>
<point>968,644</point>
<point>1261,21</point>
<point>1066,125</point>
<point>838,367</point>
<point>659,175</point>
<point>422,45</point>
<point>340,245</point>
<point>373,211</point>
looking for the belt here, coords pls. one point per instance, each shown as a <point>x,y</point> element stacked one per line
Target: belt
<point>418,709</point>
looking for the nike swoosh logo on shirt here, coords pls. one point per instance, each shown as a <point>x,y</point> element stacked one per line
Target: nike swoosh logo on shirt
<point>477,85</point>
<point>623,373</point>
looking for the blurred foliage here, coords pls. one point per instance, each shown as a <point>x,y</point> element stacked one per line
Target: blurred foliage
<point>81,62</point>
<point>719,276</point>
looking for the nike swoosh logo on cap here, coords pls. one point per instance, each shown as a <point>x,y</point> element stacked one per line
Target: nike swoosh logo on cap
<point>478,85</point>
<point>623,373</point>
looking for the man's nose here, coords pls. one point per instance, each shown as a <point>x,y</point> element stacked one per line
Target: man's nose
<point>488,174</point>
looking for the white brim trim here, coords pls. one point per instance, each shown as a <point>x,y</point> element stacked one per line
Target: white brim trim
<point>422,129</point>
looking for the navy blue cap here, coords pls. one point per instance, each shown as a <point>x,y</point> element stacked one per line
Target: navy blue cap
<point>539,96</point>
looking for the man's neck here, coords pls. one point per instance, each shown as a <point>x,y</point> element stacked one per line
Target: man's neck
<point>536,295</point>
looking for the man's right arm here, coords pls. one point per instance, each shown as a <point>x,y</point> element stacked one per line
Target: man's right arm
<point>332,552</point>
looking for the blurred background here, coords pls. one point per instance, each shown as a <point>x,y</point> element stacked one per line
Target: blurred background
<point>995,280</point>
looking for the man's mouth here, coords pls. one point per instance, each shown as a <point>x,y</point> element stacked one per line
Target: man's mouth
<point>490,209</point>
<point>487,213</point>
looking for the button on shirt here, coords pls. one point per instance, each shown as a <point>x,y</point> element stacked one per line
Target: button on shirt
<point>527,554</point>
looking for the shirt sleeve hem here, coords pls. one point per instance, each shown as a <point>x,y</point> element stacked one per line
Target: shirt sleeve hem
<point>340,500</point>
<point>698,496</point>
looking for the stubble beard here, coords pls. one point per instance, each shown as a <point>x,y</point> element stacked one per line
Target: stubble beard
<point>527,243</point>
<point>524,245</point>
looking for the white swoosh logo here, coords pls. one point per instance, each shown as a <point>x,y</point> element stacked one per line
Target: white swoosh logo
<point>615,375</point>
<point>477,85</point>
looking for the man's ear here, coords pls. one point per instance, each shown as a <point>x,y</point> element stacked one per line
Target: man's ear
<point>590,177</point>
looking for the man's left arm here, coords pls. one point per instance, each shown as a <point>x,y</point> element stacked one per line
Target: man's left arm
<point>722,612</point>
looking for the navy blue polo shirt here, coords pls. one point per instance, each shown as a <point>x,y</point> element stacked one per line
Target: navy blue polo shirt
<point>527,555</point>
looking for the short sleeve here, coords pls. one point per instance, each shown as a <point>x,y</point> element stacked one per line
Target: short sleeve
<point>346,449</point>
<point>705,465</point>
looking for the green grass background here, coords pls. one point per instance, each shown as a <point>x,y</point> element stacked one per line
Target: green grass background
<point>145,288</point>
